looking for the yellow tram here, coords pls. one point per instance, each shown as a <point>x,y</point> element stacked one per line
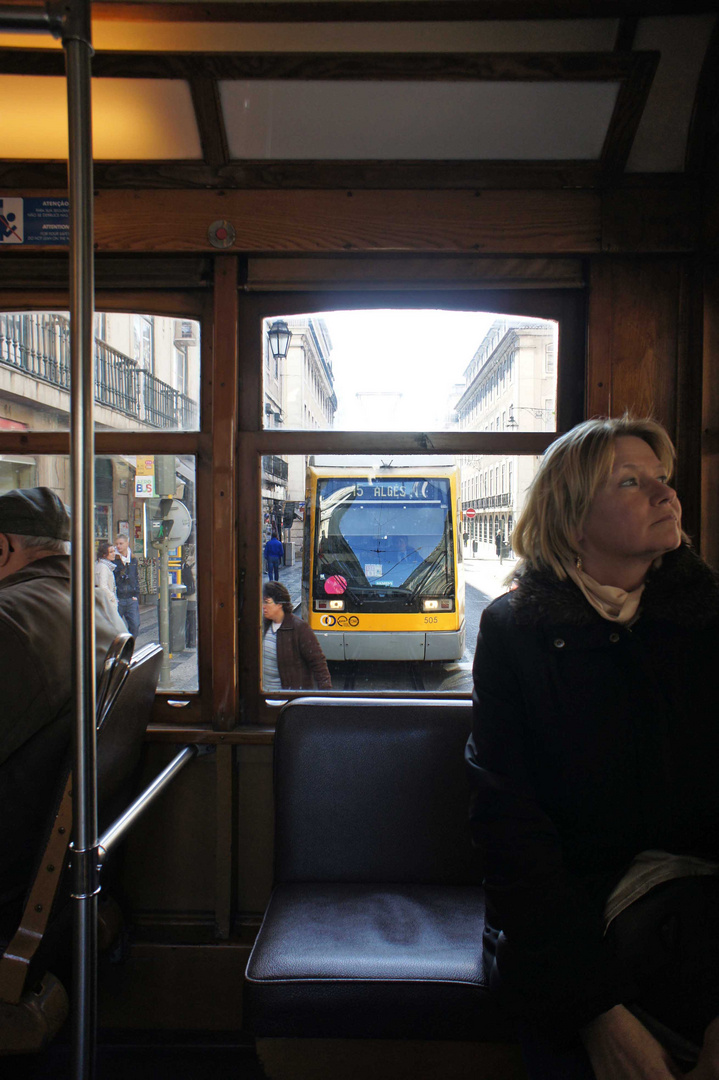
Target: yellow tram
<point>383,575</point>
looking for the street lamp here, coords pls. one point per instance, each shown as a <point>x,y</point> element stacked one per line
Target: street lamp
<point>537,413</point>
<point>279,336</point>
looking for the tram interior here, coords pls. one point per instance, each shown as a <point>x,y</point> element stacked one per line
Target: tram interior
<point>259,161</point>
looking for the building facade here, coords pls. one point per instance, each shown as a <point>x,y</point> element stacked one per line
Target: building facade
<point>299,393</point>
<point>146,377</point>
<point>510,384</point>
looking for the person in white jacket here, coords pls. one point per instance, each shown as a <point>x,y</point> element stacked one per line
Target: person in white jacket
<point>105,572</point>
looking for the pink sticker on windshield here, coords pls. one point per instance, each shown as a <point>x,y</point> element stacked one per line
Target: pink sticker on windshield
<point>335,585</point>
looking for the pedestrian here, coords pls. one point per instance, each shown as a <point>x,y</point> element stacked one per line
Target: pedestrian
<point>127,580</point>
<point>498,544</point>
<point>190,594</point>
<point>292,658</point>
<point>105,572</point>
<point>274,551</point>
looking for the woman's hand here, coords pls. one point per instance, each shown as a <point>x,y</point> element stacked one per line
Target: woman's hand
<point>621,1048</point>
<point>707,1067</point>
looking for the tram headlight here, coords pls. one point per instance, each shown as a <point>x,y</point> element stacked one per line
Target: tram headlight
<point>438,605</point>
<point>431,605</point>
<point>337,605</point>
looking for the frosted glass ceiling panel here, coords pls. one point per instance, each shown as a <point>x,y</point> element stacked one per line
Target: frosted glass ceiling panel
<point>521,121</point>
<point>132,119</point>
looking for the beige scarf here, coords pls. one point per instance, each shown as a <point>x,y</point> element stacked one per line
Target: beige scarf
<point>613,604</point>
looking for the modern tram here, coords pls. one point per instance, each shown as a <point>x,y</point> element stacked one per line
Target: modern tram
<point>256,167</point>
<point>385,563</point>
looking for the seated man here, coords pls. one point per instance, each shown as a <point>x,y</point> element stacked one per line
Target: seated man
<point>35,673</point>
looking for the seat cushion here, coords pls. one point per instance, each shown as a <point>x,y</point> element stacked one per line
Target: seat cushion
<point>372,961</point>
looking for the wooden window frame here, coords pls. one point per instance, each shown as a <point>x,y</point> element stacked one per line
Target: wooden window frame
<point>567,306</point>
<point>188,303</point>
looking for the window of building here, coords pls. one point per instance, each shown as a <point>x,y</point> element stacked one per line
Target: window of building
<point>147,371</point>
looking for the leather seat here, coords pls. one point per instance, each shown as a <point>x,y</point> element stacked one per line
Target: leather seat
<point>374,928</point>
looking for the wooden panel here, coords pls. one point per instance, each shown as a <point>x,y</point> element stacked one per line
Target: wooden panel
<point>599,339</point>
<point>688,436</point>
<point>657,217</point>
<point>274,441</point>
<point>175,987</point>
<point>710,418</point>
<point>651,218</point>
<point>225,868</point>
<point>438,273</point>
<point>224,428</point>
<point>633,338</point>
<point>309,221</point>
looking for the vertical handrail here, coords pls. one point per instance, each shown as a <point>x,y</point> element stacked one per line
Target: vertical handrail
<point>76,40</point>
<point>70,21</point>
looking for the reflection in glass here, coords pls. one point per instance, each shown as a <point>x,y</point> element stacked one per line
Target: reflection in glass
<point>147,371</point>
<point>128,506</point>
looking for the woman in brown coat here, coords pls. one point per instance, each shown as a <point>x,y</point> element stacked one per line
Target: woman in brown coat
<point>291,655</point>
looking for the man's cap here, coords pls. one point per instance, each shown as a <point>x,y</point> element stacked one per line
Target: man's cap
<point>34,512</point>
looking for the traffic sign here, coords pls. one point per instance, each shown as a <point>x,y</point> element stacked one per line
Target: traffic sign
<point>470,512</point>
<point>171,521</point>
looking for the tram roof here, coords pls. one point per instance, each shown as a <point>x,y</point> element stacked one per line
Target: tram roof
<point>373,93</point>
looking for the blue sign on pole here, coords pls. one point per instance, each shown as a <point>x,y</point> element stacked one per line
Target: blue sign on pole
<point>34,220</point>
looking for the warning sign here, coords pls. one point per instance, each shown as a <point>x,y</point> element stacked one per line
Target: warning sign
<point>34,221</point>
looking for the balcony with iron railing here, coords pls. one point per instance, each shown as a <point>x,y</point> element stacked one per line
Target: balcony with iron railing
<point>490,502</point>
<point>38,345</point>
<point>276,467</point>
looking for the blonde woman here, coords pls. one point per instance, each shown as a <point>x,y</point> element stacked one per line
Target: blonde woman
<point>595,767</point>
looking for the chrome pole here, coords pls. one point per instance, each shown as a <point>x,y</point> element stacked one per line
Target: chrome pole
<point>76,40</point>
<point>70,21</point>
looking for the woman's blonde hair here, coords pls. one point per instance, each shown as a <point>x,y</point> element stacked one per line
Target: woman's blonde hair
<point>573,468</point>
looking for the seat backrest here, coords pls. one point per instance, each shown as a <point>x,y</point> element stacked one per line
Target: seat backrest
<point>125,703</point>
<point>121,732</point>
<point>373,791</point>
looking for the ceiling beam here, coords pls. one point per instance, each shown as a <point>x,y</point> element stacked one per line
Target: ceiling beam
<point>628,110</point>
<point>312,175</point>
<point>308,11</point>
<point>425,67</point>
<point>210,121</point>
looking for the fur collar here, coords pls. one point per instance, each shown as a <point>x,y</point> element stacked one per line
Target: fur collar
<point>684,590</point>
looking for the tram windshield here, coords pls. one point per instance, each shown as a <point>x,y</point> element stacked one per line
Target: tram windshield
<point>383,539</point>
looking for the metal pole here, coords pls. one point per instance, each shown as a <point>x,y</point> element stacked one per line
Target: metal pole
<point>127,819</point>
<point>70,21</point>
<point>78,52</point>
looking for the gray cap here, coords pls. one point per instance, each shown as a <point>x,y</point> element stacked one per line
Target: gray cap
<point>34,512</point>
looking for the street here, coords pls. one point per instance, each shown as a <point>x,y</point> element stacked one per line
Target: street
<point>484,580</point>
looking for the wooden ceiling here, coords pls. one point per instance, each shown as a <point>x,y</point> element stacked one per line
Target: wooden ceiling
<point>662,57</point>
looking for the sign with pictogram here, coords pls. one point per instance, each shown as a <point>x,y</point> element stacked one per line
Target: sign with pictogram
<point>470,512</point>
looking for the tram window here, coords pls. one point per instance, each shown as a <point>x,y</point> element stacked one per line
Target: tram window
<point>161,536</point>
<point>404,370</point>
<point>147,372</point>
<point>390,565</point>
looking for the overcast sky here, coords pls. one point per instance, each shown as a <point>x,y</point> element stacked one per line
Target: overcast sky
<point>403,363</point>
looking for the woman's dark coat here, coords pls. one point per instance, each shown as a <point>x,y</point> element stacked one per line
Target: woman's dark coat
<point>592,742</point>
<point>300,659</point>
